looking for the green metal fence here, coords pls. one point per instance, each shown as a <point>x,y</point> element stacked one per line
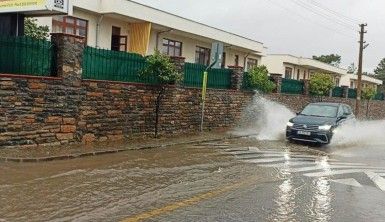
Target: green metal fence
<point>338,92</point>
<point>217,78</point>
<point>102,64</point>
<point>25,55</point>
<point>246,82</point>
<point>379,96</point>
<point>352,93</point>
<point>292,86</point>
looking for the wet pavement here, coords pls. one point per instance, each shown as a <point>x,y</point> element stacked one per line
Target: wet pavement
<point>229,180</point>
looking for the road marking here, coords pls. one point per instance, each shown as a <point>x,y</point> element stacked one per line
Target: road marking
<point>188,202</point>
<point>336,172</point>
<point>377,179</point>
<point>253,160</point>
<point>282,165</point>
<point>348,181</point>
<point>320,167</point>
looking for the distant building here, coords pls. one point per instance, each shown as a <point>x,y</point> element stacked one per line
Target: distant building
<point>124,25</point>
<point>300,68</point>
<point>367,81</point>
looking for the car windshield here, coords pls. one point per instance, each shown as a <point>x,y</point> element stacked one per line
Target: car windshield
<point>320,110</point>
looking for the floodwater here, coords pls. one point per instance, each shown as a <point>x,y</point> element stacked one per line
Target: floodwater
<point>269,181</point>
<point>95,188</point>
<point>259,178</point>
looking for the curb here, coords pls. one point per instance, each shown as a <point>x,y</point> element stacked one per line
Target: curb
<point>102,152</point>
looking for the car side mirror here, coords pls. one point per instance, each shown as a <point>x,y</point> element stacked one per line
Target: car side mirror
<point>343,117</point>
<point>297,113</point>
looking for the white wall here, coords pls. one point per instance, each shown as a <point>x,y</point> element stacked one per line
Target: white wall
<point>188,46</point>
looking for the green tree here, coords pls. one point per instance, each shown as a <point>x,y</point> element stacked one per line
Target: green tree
<point>368,94</point>
<point>380,70</point>
<point>161,68</point>
<point>320,84</point>
<point>332,59</point>
<point>258,78</point>
<point>33,30</point>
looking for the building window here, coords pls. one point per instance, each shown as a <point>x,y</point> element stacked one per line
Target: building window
<point>70,25</point>
<point>288,72</point>
<point>118,42</point>
<point>236,60</point>
<point>251,63</point>
<point>172,48</point>
<point>298,74</point>
<point>352,84</point>
<point>202,55</point>
<point>304,74</point>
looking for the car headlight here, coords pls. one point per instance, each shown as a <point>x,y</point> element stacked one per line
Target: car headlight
<point>325,127</point>
<point>290,124</point>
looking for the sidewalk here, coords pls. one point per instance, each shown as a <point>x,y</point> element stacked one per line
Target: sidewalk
<point>80,150</point>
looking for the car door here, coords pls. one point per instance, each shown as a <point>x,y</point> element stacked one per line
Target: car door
<point>348,113</point>
<point>341,112</point>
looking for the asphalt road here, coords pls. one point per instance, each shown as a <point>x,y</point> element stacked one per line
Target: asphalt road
<point>234,180</point>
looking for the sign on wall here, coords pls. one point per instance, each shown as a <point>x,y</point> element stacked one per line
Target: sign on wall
<point>216,54</point>
<point>34,7</point>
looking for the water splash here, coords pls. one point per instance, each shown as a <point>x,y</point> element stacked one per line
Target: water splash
<point>360,133</point>
<point>264,118</point>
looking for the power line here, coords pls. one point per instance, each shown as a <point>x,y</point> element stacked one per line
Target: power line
<point>352,20</point>
<point>293,12</point>
<point>323,15</point>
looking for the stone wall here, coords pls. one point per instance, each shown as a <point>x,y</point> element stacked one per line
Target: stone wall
<point>297,102</point>
<point>48,111</point>
<point>37,111</point>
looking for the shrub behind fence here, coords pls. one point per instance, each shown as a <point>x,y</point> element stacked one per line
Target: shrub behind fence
<point>25,55</point>
<point>102,64</point>
<point>217,78</point>
<point>292,86</point>
<point>379,96</point>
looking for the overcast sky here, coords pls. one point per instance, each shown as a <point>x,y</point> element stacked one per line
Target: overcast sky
<point>294,26</point>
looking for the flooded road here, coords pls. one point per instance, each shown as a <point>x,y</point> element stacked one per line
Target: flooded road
<point>231,180</point>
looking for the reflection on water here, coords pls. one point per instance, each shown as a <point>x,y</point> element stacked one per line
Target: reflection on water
<point>321,200</point>
<point>285,202</point>
<point>321,196</point>
<point>288,195</point>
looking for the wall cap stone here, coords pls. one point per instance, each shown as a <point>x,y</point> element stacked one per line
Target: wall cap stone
<point>17,76</point>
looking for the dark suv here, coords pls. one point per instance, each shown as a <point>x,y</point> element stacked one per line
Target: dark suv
<point>317,121</point>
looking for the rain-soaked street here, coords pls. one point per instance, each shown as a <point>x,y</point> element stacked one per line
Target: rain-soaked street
<point>229,180</point>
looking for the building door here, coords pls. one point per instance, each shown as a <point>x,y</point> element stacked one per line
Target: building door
<point>118,42</point>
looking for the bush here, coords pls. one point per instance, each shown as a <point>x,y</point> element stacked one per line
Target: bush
<point>258,78</point>
<point>368,94</point>
<point>321,84</point>
<point>161,68</point>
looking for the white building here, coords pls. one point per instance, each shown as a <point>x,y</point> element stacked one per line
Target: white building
<point>367,81</point>
<point>125,25</point>
<point>299,68</point>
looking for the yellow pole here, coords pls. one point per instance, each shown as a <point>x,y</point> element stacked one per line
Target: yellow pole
<point>204,87</point>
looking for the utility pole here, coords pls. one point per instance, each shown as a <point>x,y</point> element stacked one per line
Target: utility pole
<point>359,79</point>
